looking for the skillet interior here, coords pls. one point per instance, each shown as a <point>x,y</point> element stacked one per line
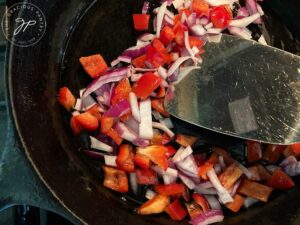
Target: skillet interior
<point>37,72</point>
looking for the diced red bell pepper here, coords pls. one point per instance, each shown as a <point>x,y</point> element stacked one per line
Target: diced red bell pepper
<point>94,65</point>
<point>66,98</point>
<point>293,149</point>
<point>272,153</point>
<point>280,180</point>
<point>146,176</point>
<point>76,129</point>
<point>176,211</point>
<point>179,30</point>
<point>106,124</point>
<point>170,189</point>
<point>220,16</point>
<point>146,85</point>
<point>254,152</point>
<point>160,92</point>
<point>156,58</point>
<point>201,200</point>
<point>200,7</point>
<point>259,173</point>
<point>142,161</point>
<point>141,21</point>
<point>157,204</point>
<point>159,46</point>
<point>195,41</point>
<point>167,35</point>
<point>139,62</point>
<point>231,174</point>
<point>87,121</point>
<point>238,202</point>
<point>170,151</point>
<point>186,11</point>
<point>157,154</point>
<point>157,139</point>
<point>186,140</point>
<point>165,138</point>
<point>209,164</point>
<point>94,110</point>
<point>115,136</point>
<point>121,92</point>
<point>115,179</point>
<point>124,159</point>
<point>255,190</point>
<point>177,18</point>
<point>193,209</point>
<point>158,105</point>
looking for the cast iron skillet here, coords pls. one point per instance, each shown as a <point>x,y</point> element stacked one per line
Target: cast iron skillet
<point>76,28</point>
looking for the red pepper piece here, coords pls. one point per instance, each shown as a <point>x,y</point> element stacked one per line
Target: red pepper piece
<point>94,65</point>
<point>115,179</point>
<point>66,98</point>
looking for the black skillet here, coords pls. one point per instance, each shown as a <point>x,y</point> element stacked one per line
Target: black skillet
<point>76,28</point>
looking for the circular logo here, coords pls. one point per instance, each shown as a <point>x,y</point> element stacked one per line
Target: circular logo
<point>23,24</point>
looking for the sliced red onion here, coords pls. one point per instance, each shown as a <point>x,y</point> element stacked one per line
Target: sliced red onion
<point>213,30</point>
<point>187,181</point>
<point>168,179</point>
<point>220,2</point>
<point>167,122</point>
<point>87,102</point>
<point>249,202</point>
<point>178,3</point>
<point>146,7</point>
<point>188,166</point>
<point>81,91</point>
<point>242,12</point>
<point>290,160</point>
<point>187,44</point>
<point>78,104</point>
<point>129,135</point>
<point>215,38</point>
<point>118,109</point>
<point>75,113</point>
<point>213,202</point>
<point>174,56</point>
<point>205,184</point>
<point>145,129</point>
<point>168,21</point>
<point>104,88</point>
<point>217,168</point>
<point>182,153</point>
<point>209,25</point>
<point>169,171</point>
<point>235,187</point>
<point>205,191</point>
<point>184,71</point>
<point>162,72</point>
<point>203,21</point>
<point>132,124</point>
<point>176,64</point>
<point>99,145</point>
<point>208,217</point>
<point>150,194</point>
<point>191,20</point>
<point>187,3</point>
<point>260,10</point>
<point>136,51</point>
<point>110,160</point>
<point>157,115</point>
<point>160,15</point>
<point>110,76</point>
<point>198,30</point>
<point>134,107</point>
<point>251,5</point>
<point>133,182</point>
<point>114,62</point>
<point>183,18</point>
<point>145,69</point>
<point>244,21</point>
<point>169,14</point>
<point>94,155</point>
<point>244,169</point>
<point>163,127</point>
<point>125,59</point>
<point>195,50</point>
<point>240,32</point>
<point>170,93</point>
<point>146,37</point>
<point>262,40</point>
<point>223,194</point>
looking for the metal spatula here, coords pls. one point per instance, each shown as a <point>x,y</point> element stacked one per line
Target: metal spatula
<point>243,89</point>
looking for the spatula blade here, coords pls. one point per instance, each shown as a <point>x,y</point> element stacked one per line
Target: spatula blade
<point>243,89</point>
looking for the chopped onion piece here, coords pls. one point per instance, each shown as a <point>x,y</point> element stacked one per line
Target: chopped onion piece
<point>262,40</point>
<point>213,30</point>
<point>75,113</point>
<point>207,217</point>
<point>160,15</point>
<point>198,30</point>
<point>213,202</point>
<point>129,135</point>
<point>215,38</point>
<point>260,10</point>
<point>78,104</point>
<point>208,26</point>
<point>132,124</point>
<point>134,107</point>
<point>150,194</point>
<point>224,195</point>
<point>220,2</point>
<point>162,72</point>
<point>187,181</point>
<point>133,182</point>
<point>205,191</point>
<point>114,62</point>
<point>178,3</point>
<point>163,128</point>
<point>168,179</point>
<point>136,76</point>
<point>145,129</point>
<point>118,109</point>
<point>242,12</point>
<point>244,169</point>
<point>188,166</point>
<point>147,37</point>
<point>99,145</point>
<point>184,71</point>
<point>157,115</point>
<point>235,187</point>
<point>176,64</point>
<point>204,21</point>
<point>87,102</point>
<point>110,160</point>
<point>240,32</point>
<point>124,58</point>
<point>205,184</point>
<point>251,5</point>
<point>146,7</point>
<point>244,21</point>
<point>182,153</point>
<point>167,122</point>
<point>290,160</point>
<point>195,50</point>
<point>187,43</point>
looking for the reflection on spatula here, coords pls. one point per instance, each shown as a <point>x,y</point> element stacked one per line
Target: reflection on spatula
<point>243,89</point>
